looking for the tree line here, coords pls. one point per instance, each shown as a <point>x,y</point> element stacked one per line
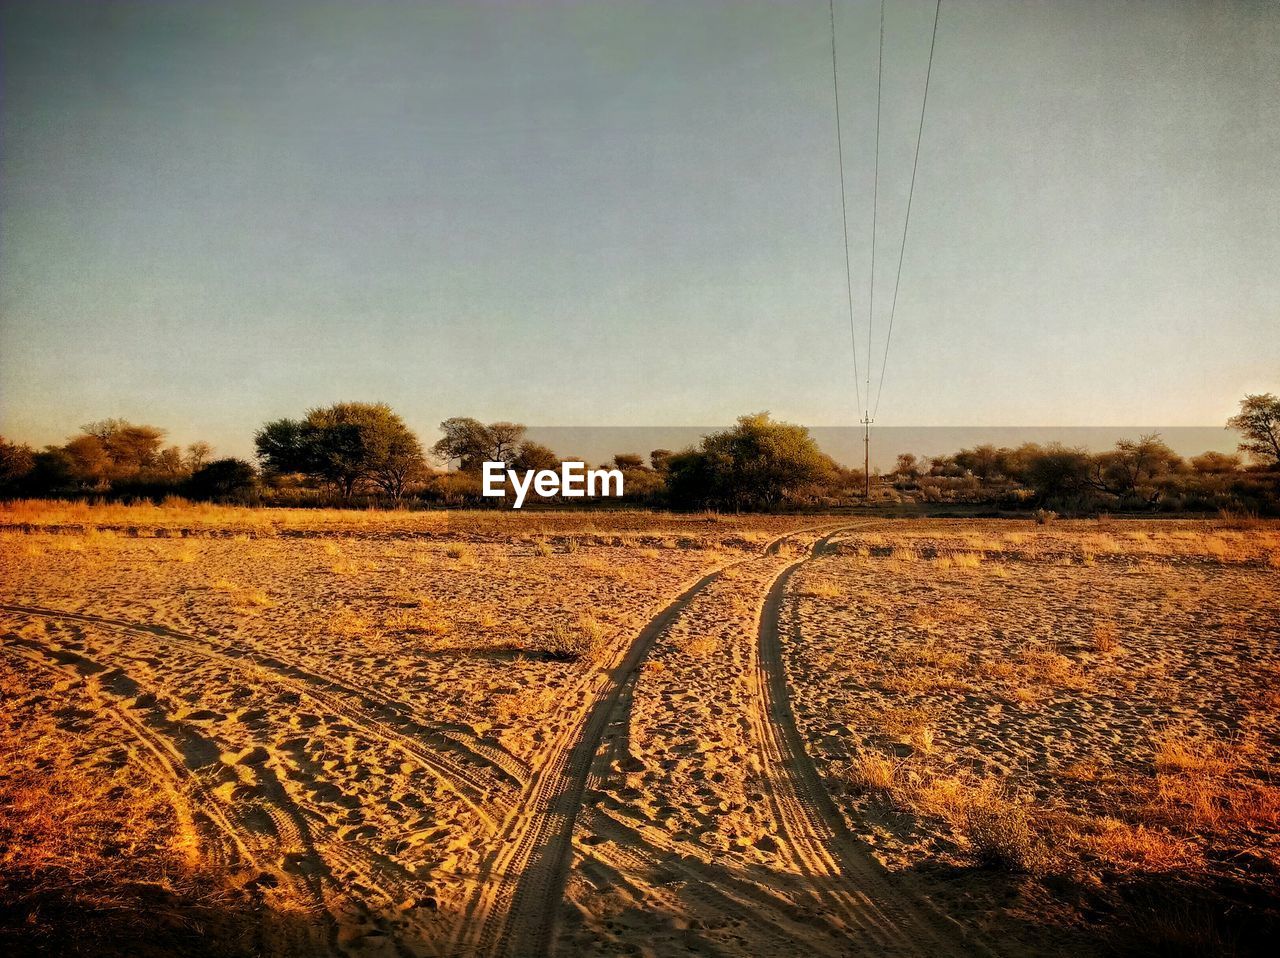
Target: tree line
<point>364,453</point>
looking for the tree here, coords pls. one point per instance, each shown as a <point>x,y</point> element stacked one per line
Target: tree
<point>344,444</point>
<point>16,463</point>
<point>1259,420</point>
<point>53,470</point>
<point>659,459</point>
<point>393,454</point>
<point>945,466</point>
<point>1056,472</point>
<point>473,443</point>
<point>282,447</point>
<point>628,460</point>
<point>126,449</point>
<point>1134,468</point>
<point>534,456</point>
<point>171,464</point>
<point>223,480</point>
<point>908,466</point>
<point>758,464</point>
<point>1209,463</point>
<point>198,454</point>
<point>988,462</point>
<point>90,463</point>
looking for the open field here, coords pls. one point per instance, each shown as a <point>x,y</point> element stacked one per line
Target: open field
<point>235,731</point>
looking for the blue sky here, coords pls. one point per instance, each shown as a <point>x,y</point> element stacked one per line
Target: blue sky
<point>628,214</point>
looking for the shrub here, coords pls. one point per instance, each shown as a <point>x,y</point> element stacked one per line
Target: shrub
<point>571,643</point>
<point>1001,834</point>
<point>223,480</point>
<point>872,772</point>
<point>1045,517</point>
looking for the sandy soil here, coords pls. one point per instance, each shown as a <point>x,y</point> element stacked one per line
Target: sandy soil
<point>497,733</point>
<point>1102,696</point>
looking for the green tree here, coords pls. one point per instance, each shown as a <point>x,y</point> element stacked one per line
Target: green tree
<point>344,444</point>
<point>1259,420</point>
<point>758,464</point>
<point>223,480</point>
<point>473,443</point>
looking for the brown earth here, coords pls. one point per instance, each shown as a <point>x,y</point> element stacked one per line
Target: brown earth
<point>288,732</point>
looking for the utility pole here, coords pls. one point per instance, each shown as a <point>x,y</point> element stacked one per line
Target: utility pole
<point>866,454</point>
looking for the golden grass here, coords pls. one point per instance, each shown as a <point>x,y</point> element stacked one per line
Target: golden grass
<point>823,589</point>
<point>872,772</point>
<point>1030,665</point>
<point>583,640</point>
<point>96,858</point>
<point>424,618</point>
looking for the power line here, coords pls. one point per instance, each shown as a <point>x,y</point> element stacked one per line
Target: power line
<point>906,223</point>
<point>844,215</point>
<point>875,206</point>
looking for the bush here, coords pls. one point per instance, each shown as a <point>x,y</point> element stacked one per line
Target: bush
<point>572,643</point>
<point>223,480</point>
<point>1001,834</point>
<point>872,773</point>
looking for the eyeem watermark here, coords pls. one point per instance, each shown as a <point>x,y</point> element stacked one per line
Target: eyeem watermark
<point>574,480</point>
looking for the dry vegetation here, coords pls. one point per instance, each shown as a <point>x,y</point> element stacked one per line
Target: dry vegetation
<point>364,688</point>
<point>243,732</point>
<point>1088,701</point>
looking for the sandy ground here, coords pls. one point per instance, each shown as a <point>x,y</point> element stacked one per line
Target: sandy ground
<point>425,733</point>
<point>1105,693</point>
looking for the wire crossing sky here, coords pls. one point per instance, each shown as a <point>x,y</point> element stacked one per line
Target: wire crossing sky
<point>586,214</point>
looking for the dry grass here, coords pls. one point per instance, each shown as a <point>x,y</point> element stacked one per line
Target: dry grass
<point>94,858</point>
<point>1000,832</point>
<point>872,772</point>
<point>583,640</point>
<point>1096,702</point>
<point>243,597</point>
<point>1104,637</point>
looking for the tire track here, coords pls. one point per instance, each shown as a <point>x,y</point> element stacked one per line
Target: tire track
<point>173,768</point>
<point>517,905</point>
<point>844,876</point>
<point>476,793</point>
<point>275,801</point>
<point>718,896</point>
<point>521,888</point>
<point>720,893</point>
<point>163,763</point>
<point>655,859</point>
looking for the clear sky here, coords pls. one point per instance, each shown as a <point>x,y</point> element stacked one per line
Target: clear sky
<point>214,214</point>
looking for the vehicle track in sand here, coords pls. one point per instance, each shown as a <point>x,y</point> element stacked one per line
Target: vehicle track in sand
<point>881,918</point>
<point>487,784</point>
<point>826,896</point>
<point>682,896</point>
<point>531,814</point>
<point>517,903</point>
<point>260,810</point>
<point>173,756</point>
